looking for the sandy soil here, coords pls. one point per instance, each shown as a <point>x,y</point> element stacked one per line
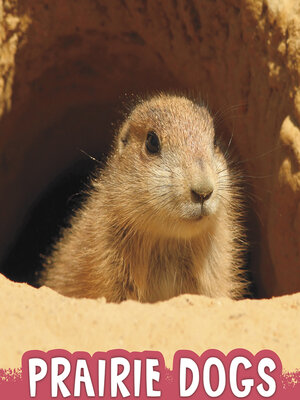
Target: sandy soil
<point>42,319</point>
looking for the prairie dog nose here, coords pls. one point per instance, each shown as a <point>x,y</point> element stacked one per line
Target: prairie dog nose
<point>201,192</point>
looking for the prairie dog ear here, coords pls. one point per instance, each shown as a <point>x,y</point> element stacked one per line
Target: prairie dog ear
<point>123,138</point>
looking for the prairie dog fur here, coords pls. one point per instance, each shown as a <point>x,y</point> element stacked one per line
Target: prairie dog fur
<point>161,219</point>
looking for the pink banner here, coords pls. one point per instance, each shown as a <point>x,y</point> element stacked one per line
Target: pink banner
<point>119,374</point>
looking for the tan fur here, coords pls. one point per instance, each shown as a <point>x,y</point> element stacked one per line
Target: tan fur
<point>138,235</point>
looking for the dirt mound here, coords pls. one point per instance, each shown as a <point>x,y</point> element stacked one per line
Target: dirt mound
<point>187,322</point>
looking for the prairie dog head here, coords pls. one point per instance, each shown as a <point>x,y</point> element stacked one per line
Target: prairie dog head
<point>170,167</point>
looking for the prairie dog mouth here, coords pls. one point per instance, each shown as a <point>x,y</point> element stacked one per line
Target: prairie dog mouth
<point>193,213</point>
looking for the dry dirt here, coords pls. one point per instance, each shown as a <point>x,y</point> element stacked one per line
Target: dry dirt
<point>44,320</point>
<point>63,68</point>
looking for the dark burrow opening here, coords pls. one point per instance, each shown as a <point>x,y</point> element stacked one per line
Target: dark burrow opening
<point>47,216</point>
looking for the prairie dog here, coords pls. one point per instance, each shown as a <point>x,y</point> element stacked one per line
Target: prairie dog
<point>161,219</point>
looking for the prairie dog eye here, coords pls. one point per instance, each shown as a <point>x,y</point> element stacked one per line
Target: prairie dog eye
<point>152,143</point>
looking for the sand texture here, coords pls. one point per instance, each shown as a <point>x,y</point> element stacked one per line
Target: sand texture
<point>42,319</point>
